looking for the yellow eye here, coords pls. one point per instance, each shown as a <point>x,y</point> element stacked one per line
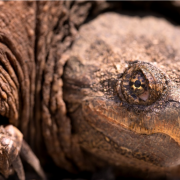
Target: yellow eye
<point>138,83</point>
<point>142,83</point>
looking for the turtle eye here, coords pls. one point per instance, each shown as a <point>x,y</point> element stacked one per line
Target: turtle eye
<point>142,83</point>
<point>138,83</point>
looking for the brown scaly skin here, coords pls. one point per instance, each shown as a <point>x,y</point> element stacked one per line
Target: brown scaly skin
<point>33,36</point>
<point>102,119</point>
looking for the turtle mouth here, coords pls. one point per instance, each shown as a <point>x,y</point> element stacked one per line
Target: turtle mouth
<point>154,140</point>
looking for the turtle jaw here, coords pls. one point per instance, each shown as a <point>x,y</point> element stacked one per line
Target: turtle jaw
<point>153,137</point>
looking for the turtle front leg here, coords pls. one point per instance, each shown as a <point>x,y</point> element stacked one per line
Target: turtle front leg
<point>12,146</point>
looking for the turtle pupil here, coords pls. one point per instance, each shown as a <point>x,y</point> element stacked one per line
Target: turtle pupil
<point>137,83</point>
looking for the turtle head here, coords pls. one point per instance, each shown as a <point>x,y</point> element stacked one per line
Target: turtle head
<point>124,111</point>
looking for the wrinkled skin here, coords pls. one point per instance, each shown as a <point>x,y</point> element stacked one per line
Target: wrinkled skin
<point>33,36</point>
<point>70,96</point>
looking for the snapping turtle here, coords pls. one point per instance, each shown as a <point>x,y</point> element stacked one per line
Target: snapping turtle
<point>109,98</point>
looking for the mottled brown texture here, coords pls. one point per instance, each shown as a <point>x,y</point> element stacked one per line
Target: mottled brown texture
<point>110,124</point>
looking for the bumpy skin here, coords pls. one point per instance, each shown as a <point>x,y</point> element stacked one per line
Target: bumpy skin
<point>16,81</point>
<point>136,131</point>
<point>96,120</point>
<point>33,36</point>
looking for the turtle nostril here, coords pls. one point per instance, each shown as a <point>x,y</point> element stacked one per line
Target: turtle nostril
<point>137,83</point>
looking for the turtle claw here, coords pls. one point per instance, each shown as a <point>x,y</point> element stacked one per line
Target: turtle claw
<point>28,155</point>
<point>11,146</point>
<point>18,167</point>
